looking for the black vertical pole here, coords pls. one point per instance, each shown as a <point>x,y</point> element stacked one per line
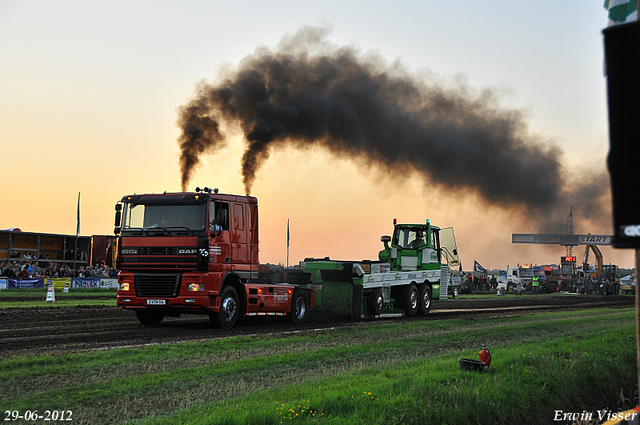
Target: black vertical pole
<point>622,61</point>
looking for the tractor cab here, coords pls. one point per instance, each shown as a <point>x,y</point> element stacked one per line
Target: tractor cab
<point>419,247</point>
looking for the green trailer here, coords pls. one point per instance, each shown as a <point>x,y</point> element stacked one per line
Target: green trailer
<point>413,269</point>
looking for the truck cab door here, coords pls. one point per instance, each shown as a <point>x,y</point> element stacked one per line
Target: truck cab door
<point>448,246</point>
<point>219,241</point>
<point>239,228</point>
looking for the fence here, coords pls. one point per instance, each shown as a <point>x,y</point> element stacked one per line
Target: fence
<point>58,283</point>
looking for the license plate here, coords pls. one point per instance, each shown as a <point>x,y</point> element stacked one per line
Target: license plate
<point>156,302</point>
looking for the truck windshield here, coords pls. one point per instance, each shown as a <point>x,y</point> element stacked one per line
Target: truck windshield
<point>526,272</point>
<point>411,238</point>
<point>167,217</point>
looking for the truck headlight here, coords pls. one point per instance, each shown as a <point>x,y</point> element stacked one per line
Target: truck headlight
<point>124,286</point>
<point>195,287</point>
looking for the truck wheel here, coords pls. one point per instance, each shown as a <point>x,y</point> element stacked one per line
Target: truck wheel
<point>410,300</point>
<point>510,287</point>
<point>425,299</point>
<point>299,307</point>
<point>375,302</point>
<point>149,318</point>
<point>229,307</point>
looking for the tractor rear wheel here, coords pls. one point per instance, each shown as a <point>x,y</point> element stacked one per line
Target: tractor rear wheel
<point>411,300</point>
<point>425,299</point>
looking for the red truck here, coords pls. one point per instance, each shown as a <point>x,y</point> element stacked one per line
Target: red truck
<point>197,253</point>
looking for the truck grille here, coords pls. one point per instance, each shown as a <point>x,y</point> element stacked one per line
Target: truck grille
<point>158,250</point>
<point>157,284</point>
<point>159,257</point>
<point>172,260</point>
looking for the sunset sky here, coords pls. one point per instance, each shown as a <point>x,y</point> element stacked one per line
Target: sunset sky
<point>90,92</point>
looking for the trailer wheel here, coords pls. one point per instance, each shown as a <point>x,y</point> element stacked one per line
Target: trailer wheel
<point>411,300</point>
<point>425,299</point>
<point>299,307</point>
<point>229,307</point>
<point>149,318</point>
<point>375,302</point>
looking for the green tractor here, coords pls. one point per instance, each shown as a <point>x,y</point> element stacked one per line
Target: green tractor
<point>413,269</point>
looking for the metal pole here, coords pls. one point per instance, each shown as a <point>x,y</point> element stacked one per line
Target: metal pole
<point>638,312</point>
<point>638,268</point>
<point>75,258</point>
<point>75,251</point>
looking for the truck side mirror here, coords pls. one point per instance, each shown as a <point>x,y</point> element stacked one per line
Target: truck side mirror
<point>118,220</point>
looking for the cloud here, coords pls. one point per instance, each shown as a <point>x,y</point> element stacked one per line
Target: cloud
<point>310,92</point>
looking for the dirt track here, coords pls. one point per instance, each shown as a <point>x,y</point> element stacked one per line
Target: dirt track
<point>56,330</point>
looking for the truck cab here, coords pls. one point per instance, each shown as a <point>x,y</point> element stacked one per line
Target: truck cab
<point>197,253</point>
<point>509,279</point>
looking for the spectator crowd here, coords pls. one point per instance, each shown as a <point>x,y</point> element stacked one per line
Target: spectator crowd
<point>35,269</point>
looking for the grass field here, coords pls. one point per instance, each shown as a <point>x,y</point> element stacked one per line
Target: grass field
<point>36,297</point>
<point>372,373</point>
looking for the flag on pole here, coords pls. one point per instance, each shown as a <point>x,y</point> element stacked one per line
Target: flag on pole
<point>478,268</point>
<point>288,237</point>
<point>78,228</point>
<point>621,11</point>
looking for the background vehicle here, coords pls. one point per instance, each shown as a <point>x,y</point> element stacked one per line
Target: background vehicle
<point>509,278</point>
<point>628,284</point>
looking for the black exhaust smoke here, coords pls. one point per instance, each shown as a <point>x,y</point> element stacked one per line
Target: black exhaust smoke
<point>309,92</point>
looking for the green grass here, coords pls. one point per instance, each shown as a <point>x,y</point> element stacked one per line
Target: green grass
<point>36,292</point>
<point>36,297</point>
<point>60,302</point>
<point>378,372</point>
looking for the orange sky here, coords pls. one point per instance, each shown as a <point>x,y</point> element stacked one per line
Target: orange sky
<point>336,208</point>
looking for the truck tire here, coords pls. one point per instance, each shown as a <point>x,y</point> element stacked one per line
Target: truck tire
<point>510,287</point>
<point>149,318</point>
<point>375,302</point>
<point>410,300</point>
<point>425,299</point>
<point>229,307</point>
<point>299,307</point>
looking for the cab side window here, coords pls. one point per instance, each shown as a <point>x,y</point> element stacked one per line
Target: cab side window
<point>218,216</point>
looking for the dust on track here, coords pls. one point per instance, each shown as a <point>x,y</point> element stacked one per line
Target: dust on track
<point>64,330</point>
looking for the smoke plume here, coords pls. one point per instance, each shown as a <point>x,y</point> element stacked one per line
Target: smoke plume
<point>308,92</point>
